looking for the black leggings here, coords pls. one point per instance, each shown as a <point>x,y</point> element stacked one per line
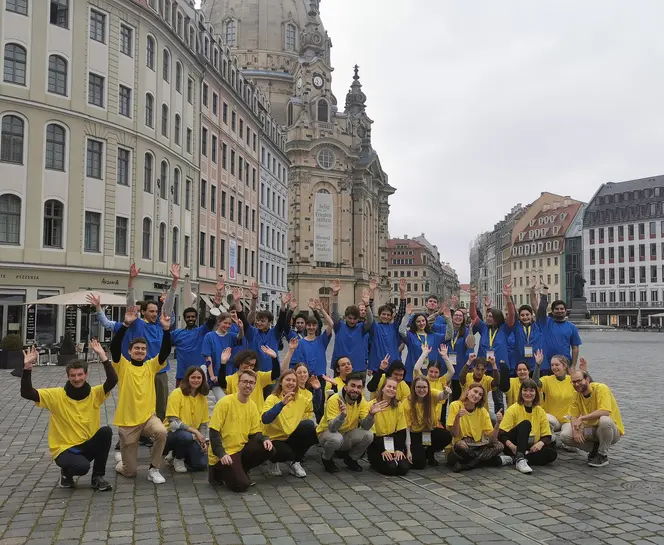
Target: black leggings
<point>440,438</point>
<point>383,467</point>
<point>94,449</point>
<point>296,446</point>
<point>520,436</point>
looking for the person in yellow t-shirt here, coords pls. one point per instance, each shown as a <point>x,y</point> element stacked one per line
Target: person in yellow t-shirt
<point>479,375</point>
<point>525,430</point>
<point>285,422</point>
<point>474,440</point>
<point>346,425</point>
<point>246,361</point>
<point>342,368</point>
<point>425,433</point>
<point>512,386</point>
<point>135,410</point>
<point>237,443</point>
<point>387,452</point>
<point>396,370</point>
<point>595,422</point>
<point>309,385</point>
<point>187,418</point>
<point>74,436</point>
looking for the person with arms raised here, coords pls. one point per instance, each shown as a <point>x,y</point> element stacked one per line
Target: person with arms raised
<point>460,345</point>
<point>384,333</point>
<point>526,332</point>
<point>237,443</point>
<point>395,370</point>
<point>313,346</point>
<point>75,438</point>
<point>135,411</point>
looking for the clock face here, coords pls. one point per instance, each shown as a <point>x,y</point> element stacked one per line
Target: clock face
<point>299,83</point>
<point>318,82</point>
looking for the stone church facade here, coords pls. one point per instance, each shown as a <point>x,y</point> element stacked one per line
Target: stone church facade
<point>338,192</point>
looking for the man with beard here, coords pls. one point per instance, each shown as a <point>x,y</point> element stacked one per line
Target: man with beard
<point>74,436</point>
<point>188,341</point>
<point>560,336</point>
<point>237,443</point>
<point>346,424</point>
<point>595,422</point>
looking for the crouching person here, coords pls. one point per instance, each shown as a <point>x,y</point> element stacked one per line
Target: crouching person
<point>187,420</point>
<point>74,436</point>
<point>346,425</point>
<point>236,441</point>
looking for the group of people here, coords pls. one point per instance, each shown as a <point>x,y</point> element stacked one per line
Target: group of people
<point>399,412</point>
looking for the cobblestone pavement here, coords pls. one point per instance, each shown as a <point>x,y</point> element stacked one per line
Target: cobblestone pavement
<point>567,502</point>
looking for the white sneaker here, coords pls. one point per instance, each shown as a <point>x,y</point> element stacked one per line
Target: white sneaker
<point>118,457</point>
<point>297,470</point>
<point>178,466</point>
<point>155,476</point>
<point>169,458</point>
<point>119,468</point>
<point>506,460</point>
<point>523,467</point>
<point>275,470</point>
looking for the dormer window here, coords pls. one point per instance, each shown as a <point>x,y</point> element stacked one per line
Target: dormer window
<point>231,33</point>
<point>291,37</point>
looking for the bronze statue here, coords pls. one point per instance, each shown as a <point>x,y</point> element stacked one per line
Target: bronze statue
<point>579,282</point>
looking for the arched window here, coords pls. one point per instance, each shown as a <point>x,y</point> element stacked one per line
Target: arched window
<point>290,114</point>
<point>148,173</point>
<point>323,111</point>
<point>164,120</point>
<point>231,33</point>
<point>163,180</point>
<point>53,214</point>
<point>57,75</point>
<point>147,238</point>
<point>149,110</point>
<point>12,140</point>
<point>55,147</point>
<point>162,242</point>
<point>167,66</point>
<point>15,64</point>
<point>178,77</point>
<point>175,257</point>
<point>176,186</point>
<point>10,219</point>
<point>149,62</point>
<point>291,33</point>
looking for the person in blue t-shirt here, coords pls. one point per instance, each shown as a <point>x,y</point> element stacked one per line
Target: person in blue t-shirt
<point>459,347</point>
<point>214,345</point>
<point>311,349</point>
<point>350,332</point>
<point>385,332</point>
<point>435,315</point>
<point>297,326</point>
<point>561,337</point>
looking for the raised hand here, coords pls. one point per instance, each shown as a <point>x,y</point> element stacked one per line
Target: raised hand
<point>442,351</point>
<point>98,349</point>
<point>293,303</point>
<point>133,271</point>
<point>426,349</point>
<point>409,308</point>
<point>539,357</point>
<point>455,302</point>
<point>365,297</point>
<point>221,284</point>
<point>93,300</point>
<point>293,344</point>
<point>314,382</point>
<point>385,363</point>
<point>471,359</point>
<point>162,297</point>
<point>473,293</point>
<point>373,284</point>
<point>30,357</point>
<point>487,301</point>
<point>290,396</point>
<point>583,365</point>
<point>342,406</point>
<point>237,296</point>
<point>445,310</point>
<point>165,321</point>
<point>254,290</point>
<point>533,282</point>
<point>402,288</point>
<point>268,351</point>
<point>131,315</point>
<point>329,380</point>
<point>312,303</point>
<point>285,299</point>
<point>336,286</point>
<point>507,290</point>
<point>175,272</point>
<point>379,407</point>
<point>226,355</point>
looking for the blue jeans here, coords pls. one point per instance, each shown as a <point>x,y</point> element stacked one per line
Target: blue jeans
<point>186,448</point>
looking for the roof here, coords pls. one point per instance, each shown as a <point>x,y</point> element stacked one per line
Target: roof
<point>611,188</point>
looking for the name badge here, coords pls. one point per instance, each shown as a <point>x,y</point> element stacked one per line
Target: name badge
<point>388,442</point>
<point>588,431</point>
<point>426,438</point>
<point>452,358</point>
<point>528,351</point>
<point>490,354</point>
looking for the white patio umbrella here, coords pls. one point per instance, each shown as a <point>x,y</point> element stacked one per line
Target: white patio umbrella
<point>80,298</point>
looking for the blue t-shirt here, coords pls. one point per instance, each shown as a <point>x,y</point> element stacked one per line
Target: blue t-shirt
<point>350,342</point>
<point>189,345</point>
<point>493,339</point>
<point>439,326</point>
<point>256,339</point>
<point>213,346</point>
<point>414,345</point>
<point>152,332</point>
<point>525,336</point>
<point>558,339</point>
<point>384,340</point>
<point>457,345</point>
<point>298,355</point>
<point>313,353</point>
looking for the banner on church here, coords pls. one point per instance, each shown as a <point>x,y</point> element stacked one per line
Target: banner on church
<point>232,259</point>
<point>323,228</point>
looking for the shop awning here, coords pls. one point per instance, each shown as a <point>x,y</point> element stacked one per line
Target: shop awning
<point>79,298</point>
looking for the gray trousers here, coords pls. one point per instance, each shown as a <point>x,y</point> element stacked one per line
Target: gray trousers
<point>355,442</point>
<point>606,434</point>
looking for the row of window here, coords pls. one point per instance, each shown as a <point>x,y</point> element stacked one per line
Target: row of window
<point>623,295</point>
<point>243,165</point>
<point>608,276</point>
<point>621,253</point>
<point>520,282</point>
<point>273,238</point>
<point>424,287</point>
<point>234,213</point>
<point>631,229</point>
<point>274,202</point>
<point>237,124</point>
<point>630,195</point>
<point>625,213</point>
<point>207,256</point>
<point>534,263</point>
<point>406,274</point>
<point>273,165</point>
<point>322,111</point>
<point>274,275</point>
<point>58,10</point>
<point>402,261</point>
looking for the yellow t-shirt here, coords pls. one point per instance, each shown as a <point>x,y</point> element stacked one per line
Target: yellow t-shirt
<point>438,384</point>
<point>190,410</point>
<point>354,413</point>
<point>309,413</point>
<point>476,424</point>
<point>557,396</point>
<point>512,395</point>
<point>263,379</point>
<point>136,394</point>
<point>418,426</point>
<point>236,421</point>
<point>389,421</point>
<point>328,387</point>
<point>487,381</point>
<point>515,414</point>
<point>403,390</point>
<point>601,399</point>
<point>290,416</point>
<point>71,422</point>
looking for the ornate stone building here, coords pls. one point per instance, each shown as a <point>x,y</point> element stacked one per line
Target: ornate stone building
<point>338,192</point>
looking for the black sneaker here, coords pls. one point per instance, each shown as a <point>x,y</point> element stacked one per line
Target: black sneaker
<point>431,460</point>
<point>101,484</point>
<point>330,465</point>
<point>593,453</point>
<point>600,460</point>
<point>352,464</point>
<point>145,441</point>
<point>66,481</point>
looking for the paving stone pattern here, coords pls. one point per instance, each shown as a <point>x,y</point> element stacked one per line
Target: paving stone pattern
<point>567,502</point>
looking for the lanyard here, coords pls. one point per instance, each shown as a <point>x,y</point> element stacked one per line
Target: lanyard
<point>455,340</point>
<point>492,336</point>
<point>422,339</point>
<point>527,333</point>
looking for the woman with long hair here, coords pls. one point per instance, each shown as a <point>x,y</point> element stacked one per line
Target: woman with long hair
<point>187,418</point>
<point>474,440</point>
<point>309,384</point>
<point>386,453</point>
<point>458,349</point>
<point>511,386</point>
<point>525,430</point>
<point>286,425</point>
<point>425,436</point>
<point>395,370</point>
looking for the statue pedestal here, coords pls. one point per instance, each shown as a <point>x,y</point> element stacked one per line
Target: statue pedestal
<point>580,316</point>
